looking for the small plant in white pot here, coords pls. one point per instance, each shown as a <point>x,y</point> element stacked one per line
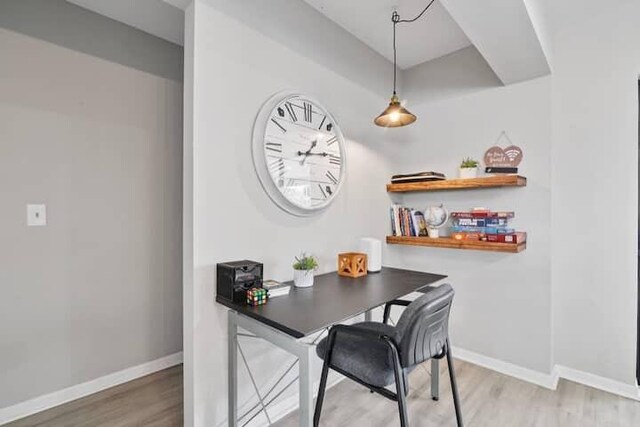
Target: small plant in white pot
<point>303,270</point>
<point>468,168</point>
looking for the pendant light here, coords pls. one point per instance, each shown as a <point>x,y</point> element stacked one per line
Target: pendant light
<point>395,115</point>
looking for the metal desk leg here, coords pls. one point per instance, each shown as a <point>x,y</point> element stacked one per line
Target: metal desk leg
<point>435,379</point>
<point>303,351</point>
<point>368,315</point>
<point>233,368</point>
<point>306,387</point>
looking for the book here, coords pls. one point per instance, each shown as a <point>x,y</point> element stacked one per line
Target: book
<point>407,222</point>
<point>406,226</point>
<point>410,222</point>
<point>396,220</point>
<point>419,223</point>
<point>513,237</point>
<point>497,169</point>
<point>408,181</point>
<point>482,230</point>
<point>417,177</point>
<point>518,237</point>
<point>393,222</point>
<point>275,288</point>
<point>481,222</point>
<point>466,235</point>
<point>483,214</point>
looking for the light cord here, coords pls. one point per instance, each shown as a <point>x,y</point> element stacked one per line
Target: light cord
<point>417,17</point>
<point>395,18</point>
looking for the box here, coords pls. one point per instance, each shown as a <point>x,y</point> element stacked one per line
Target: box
<point>235,278</point>
<point>352,264</point>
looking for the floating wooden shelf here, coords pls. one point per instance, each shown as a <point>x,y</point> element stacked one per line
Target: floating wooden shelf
<point>460,184</point>
<point>447,242</point>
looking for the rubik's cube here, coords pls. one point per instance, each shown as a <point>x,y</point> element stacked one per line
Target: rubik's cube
<point>256,296</point>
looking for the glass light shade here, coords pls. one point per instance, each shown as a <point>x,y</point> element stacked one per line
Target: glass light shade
<point>395,115</point>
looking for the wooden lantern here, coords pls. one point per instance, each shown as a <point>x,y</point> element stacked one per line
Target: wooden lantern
<point>352,264</point>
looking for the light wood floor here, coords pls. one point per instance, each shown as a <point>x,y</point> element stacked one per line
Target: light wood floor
<point>154,400</point>
<point>488,399</point>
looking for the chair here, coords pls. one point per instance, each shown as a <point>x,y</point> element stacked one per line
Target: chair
<point>377,355</point>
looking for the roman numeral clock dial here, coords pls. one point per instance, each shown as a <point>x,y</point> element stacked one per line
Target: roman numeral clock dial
<point>298,153</point>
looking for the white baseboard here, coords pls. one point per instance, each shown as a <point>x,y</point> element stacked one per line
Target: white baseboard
<point>286,406</point>
<point>47,401</point>
<point>601,383</point>
<point>549,381</point>
<point>281,409</point>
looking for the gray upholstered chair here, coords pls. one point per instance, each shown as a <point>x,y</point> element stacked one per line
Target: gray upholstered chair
<point>378,355</point>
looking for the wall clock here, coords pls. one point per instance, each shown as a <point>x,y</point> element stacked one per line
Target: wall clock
<point>298,153</point>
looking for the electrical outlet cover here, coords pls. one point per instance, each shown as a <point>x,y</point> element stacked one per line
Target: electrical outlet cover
<point>36,215</point>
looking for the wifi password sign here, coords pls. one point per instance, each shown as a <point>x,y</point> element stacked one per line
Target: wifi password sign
<point>509,157</point>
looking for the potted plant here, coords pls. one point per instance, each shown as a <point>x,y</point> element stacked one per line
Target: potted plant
<point>303,270</point>
<point>468,168</point>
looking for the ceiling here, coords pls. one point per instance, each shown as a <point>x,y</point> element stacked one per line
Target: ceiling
<point>503,32</point>
<point>434,35</point>
<point>152,16</point>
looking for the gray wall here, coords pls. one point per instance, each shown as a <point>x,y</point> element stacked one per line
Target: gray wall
<point>90,124</point>
<point>62,23</point>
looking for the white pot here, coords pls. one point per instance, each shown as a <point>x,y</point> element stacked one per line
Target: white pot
<point>466,173</point>
<point>303,278</point>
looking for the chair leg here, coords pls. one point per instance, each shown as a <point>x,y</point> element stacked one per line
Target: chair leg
<point>454,387</point>
<point>402,395</point>
<point>331,340</point>
<point>321,390</point>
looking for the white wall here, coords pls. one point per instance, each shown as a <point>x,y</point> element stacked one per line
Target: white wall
<point>310,34</point>
<point>97,290</point>
<point>596,53</point>
<point>502,305</point>
<point>570,299</point>
<point>237,69</point>
<point>591,121</point>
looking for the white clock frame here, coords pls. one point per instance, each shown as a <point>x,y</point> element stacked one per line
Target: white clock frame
<point>260,161</point>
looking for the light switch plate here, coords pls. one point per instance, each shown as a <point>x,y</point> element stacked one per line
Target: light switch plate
<point>36,215</point>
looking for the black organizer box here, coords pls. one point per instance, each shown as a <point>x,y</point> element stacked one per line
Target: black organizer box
<point>236,277</point>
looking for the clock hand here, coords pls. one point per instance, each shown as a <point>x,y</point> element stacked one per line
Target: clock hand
<point>306,153</point>
<point>313,145</point>
<point>312,154</point>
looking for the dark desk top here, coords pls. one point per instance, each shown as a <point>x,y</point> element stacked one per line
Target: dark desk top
<point>333,299</point>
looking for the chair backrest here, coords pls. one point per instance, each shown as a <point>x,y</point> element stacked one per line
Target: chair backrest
<point>423,328</point>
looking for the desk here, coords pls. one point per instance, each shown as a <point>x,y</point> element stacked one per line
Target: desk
<point>285,321</point>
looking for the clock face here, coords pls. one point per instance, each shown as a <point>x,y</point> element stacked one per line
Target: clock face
<point>298,152</point>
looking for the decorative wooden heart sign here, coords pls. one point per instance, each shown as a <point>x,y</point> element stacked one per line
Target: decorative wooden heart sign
<point>509,157</point>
